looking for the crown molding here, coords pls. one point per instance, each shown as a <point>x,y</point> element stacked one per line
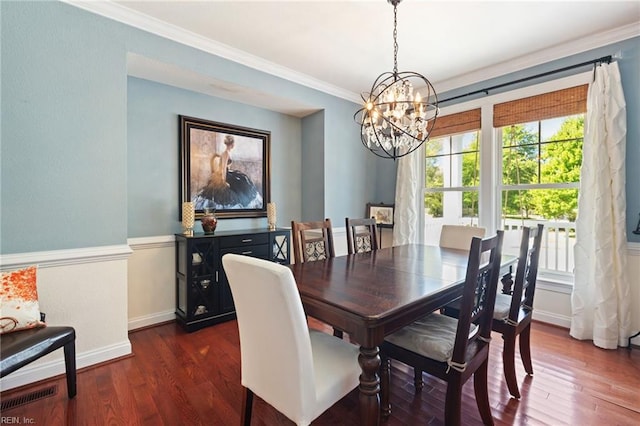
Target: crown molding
<point>146,23</point>
<point>541,57</point>
<point>160,28</point>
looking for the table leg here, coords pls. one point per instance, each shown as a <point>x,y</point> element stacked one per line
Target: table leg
<point>369,361</point>
<point>385,382</point>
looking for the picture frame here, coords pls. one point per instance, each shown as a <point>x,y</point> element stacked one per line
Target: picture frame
<point>225,168</point>
<point>383,214</point>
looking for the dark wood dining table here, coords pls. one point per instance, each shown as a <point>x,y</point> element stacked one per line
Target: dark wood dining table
<point>371,295</point>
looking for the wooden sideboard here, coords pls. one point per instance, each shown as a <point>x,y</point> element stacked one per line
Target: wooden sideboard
<point>203,296</point>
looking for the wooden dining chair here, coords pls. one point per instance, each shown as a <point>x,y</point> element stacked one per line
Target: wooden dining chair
<point>312,240</point>
<point>453,349</point>
<point>513,311</point>
<point>459,236</point>
<point>361,235</point>
<point>298,371</point>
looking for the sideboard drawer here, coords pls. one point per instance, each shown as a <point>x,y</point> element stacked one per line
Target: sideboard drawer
<point>244,240</point>
<point>261,251</point>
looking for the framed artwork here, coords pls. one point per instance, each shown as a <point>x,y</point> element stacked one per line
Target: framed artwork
<point>383,213</point>
<point>224,167</point>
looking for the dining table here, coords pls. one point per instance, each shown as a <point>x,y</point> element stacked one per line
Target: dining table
<point>371,295</point>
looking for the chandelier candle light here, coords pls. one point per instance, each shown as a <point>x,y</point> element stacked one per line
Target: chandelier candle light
<point>395,120</point>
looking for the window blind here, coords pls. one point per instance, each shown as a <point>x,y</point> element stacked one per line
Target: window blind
<point>560,103</point>
<point>456,123</point>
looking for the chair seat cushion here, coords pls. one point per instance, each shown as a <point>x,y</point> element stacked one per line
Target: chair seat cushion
<point>432,336</point>
<point>21,347</point>
<point>502,306</point>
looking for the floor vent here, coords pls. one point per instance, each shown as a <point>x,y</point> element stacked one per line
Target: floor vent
<point>29,397</point>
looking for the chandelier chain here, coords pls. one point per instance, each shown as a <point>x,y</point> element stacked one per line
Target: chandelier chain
<point>395,39</point>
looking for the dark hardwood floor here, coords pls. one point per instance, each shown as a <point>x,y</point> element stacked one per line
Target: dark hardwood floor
<point>177,378</point>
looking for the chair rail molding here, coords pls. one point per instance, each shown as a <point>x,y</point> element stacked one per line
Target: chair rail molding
<point>53,258</point>
<point>160,241</point>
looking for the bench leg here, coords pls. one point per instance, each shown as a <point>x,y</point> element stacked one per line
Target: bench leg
<point>70,366</point>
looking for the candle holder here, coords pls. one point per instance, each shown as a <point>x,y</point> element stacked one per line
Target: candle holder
<point>271,215</point>
<point>188,218</point>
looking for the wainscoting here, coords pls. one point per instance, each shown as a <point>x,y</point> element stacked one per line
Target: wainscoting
<point>86,289</point>
<point>104,292</point>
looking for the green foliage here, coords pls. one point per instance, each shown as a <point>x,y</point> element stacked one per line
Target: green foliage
<point>434,179</point>
<point>470,177</point>
<point>561,162</point>
<point>519,166</point>
<point>525,160</point>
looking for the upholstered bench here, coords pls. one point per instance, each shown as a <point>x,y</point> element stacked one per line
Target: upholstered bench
<point>19,348</point>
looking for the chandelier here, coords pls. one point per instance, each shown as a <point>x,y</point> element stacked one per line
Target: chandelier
<point>395,120</point>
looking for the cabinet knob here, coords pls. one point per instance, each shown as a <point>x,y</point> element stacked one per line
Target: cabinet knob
<point>247,240</point>
<point>247,252</point>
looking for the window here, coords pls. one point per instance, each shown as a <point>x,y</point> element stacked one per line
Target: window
<point>452,173</point>
<point>519,169</point>
<point>540,178</point>
<point>452,168</point>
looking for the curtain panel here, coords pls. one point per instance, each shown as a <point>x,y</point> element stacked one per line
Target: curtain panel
<point>601,294</point>
<point>407,204</point>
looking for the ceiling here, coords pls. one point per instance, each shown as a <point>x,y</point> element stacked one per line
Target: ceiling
<point>340,47</point>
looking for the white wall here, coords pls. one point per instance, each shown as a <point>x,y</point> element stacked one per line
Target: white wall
<point>151,281</point>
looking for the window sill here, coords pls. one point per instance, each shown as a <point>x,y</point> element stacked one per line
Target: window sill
<point>555,283</point>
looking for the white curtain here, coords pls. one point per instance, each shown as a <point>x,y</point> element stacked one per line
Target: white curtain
<point>601,293</point>
<point>408,192</point>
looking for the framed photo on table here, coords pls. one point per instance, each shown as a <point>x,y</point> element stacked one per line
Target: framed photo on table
<point>383,214</point>
<point>224,167</point>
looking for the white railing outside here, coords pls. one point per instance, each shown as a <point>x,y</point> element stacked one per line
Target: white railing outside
<point>558,240</point>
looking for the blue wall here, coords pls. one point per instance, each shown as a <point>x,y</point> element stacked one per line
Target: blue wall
<point>153,154</point>
<point>89,155</point>
<point>313,174</point>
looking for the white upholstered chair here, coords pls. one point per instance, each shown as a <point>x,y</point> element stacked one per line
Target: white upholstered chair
<point>459,236</point>
<point>298,371</point>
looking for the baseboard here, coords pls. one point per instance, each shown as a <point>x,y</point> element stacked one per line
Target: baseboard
<point>42,371</point>
<point>552,318</point>
<point>149,320</point>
